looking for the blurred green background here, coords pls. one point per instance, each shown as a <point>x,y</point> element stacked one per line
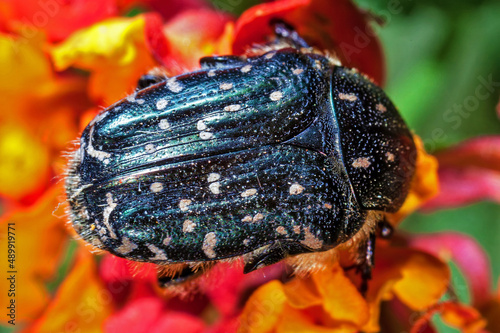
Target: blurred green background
<point>437,53</point>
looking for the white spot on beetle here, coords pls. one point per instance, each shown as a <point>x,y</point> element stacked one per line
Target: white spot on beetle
<point>131,98</point>
<point>311,241</point>
<point>276,96</point>
<point>163,124</point>
<point>246,68</point>
<point>297,71</point>
<point>126,247</point>
<point>156,187</point>
<point>233,107</point>
<point>226,86</point>
<point>296,229</point>
<point>390,156</point>
<point>249,192</point>
<point>107,212</point>
<point>380,107</point>
<point>173,85</point>
<point>247,218</point>
<point>213,177</point>
<point>258,217</point>
<point>100,155</point>
<point>140,101</point>
<point>281,230</point>
<point>270,55</point>
<point>150,148</point>
<point>184,204</point>
<point>158,254</point>
<point>206,135</point>
<point>246,242</point>
<point>296,189</point>
<point>161,104</point>
<point>214,188</point>
<point>201,126</point>
<point>209,244</point>
<point>211,73</point>
<point>188,226</point>
<point>361,162</point>
<point>348,97</point>
<point>167,241</point>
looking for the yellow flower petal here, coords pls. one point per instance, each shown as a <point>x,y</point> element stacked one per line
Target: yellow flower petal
<point>25,161</point>
<point>113,40</point>
<point>115,53</point>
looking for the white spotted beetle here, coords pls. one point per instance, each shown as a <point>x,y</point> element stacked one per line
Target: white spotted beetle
<point>281,155</point>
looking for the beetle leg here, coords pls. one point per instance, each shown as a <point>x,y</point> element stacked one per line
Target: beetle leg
<point>272,254</point>
<point>368,261</point>
<point>284,30</point>
<point>221,61</point>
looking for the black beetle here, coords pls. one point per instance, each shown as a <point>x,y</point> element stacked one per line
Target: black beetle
<point>267,157</point>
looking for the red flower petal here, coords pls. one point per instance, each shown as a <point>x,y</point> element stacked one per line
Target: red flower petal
<point>57,18</point>
<point>338,26</point>
<point>138,316</point>
<point>155,39</point>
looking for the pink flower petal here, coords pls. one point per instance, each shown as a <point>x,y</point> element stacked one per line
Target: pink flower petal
<point>468,173</point>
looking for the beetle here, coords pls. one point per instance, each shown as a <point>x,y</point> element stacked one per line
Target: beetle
<point>284,154</point>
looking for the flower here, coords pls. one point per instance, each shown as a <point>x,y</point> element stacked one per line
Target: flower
<point>64,61</point>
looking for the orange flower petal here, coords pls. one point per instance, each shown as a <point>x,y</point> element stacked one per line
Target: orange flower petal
<point>43,123</point>
<point>420,279</point>
<point>263,309</point>
<point>39,235</point>
<point>341,299</point>
<point>425,184</point>
<point>81,302</point>
<point>416,278</point>
<point>302,293</point>
<point>463,317</point>
<point>114,51</point>
<point>297,321</point>
<point>463,250</point>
